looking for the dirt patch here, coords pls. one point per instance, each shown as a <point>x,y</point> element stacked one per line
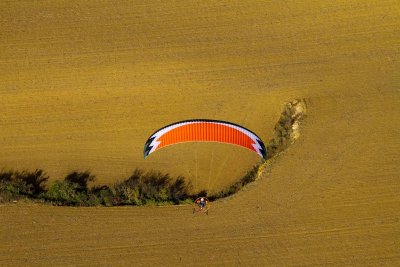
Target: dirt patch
<point>287,129</point>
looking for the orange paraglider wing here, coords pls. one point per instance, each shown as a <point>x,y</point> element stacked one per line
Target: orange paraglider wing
<point>202,130</point>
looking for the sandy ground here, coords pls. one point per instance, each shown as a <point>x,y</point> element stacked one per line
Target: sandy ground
<point>83,84</point>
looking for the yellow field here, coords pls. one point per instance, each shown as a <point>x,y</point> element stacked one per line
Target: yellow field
<point>84,83</point>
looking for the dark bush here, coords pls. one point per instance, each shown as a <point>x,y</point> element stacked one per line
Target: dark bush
<point>34,182</point>
<point>6,176</point>
<point>80,180</point>
<point>179,189</point>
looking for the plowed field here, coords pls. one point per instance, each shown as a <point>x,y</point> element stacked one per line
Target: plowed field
<point>84,83</point>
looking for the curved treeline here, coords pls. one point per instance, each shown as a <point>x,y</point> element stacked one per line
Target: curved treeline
<point>141,188</point>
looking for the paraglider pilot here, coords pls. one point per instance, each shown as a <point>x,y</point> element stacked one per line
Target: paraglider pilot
<point>201,201</point>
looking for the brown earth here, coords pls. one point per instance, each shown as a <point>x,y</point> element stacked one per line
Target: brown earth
<point>84,83</point>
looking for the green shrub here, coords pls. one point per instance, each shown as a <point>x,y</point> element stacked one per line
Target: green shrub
<point>14,184</point>
<point>10,191</point>
<point>184,201</point>
<point>65,193</point>
<point>149,188</point>
<point>127,193</point>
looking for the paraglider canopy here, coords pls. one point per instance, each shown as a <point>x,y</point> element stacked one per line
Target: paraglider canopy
<point>203,130</point>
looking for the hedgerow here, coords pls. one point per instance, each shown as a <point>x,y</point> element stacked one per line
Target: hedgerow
<point>141,188</point>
